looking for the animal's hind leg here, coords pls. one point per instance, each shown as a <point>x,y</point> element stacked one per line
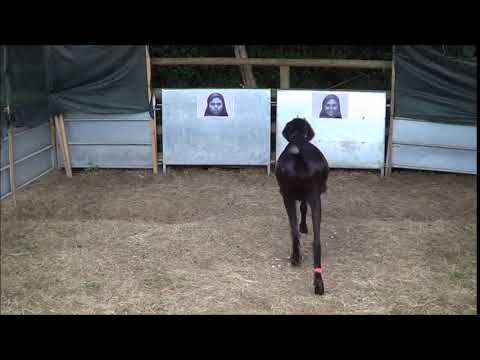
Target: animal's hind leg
<point>303,220</point>
<point>316,207</point>
<point>291,208</point>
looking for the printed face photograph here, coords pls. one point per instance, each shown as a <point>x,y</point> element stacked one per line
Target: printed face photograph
<point>329,105</point>
<point>214,104</point>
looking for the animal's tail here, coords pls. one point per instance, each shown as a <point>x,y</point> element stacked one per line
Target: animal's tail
<point>296,150</point>
<point>293,149</point>
<point>300,165</point>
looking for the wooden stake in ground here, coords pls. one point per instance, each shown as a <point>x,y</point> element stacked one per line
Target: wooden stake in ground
<point>53,141</point>
<point>60,138</point>
<point>153,132</point>
<point>388,166</point>
<point>246,70</point>
<point>153,122</point>
<point>60,125</point>
<point>11,159</point>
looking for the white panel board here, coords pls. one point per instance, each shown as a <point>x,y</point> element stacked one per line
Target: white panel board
<point>193,137</point>
<point>356,140</point>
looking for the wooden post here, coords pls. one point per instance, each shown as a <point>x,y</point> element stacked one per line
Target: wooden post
<point>231,61</point>
<point>284,77</point>
<point>246,70</point>
<point>67,151</point>
<point>388,166</point>
<point>153,122</point>
<point>153,131</point>
<point>149,72</point>
<point>60,138</point>
<point>53,141</point>
<point>11,159</point>
<point>60,125</point>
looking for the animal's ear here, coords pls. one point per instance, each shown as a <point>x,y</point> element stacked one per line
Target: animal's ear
<point>286,132</point>
<point>310,132</point>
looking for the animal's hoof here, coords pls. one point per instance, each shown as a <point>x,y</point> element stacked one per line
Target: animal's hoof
<point>319,290</point>
<point>295,260</point>
<point>303,228</point>
<point>318,284</point>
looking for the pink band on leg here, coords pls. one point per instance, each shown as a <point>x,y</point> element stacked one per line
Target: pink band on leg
<point>317,270</point>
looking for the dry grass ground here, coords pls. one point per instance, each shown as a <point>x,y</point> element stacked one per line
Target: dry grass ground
<point>216,241</point>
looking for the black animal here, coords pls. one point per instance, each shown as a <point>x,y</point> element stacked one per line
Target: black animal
<point>302,173</point>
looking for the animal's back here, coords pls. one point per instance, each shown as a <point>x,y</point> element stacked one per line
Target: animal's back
<point>307,169</point>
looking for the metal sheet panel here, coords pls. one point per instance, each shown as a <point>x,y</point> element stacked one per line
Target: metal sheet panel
<point>241,138</point>
<point>407,131</point>
<point>355,141</point>
<point>33,167</point>
<point>4,152</point>
<point>32,140</point>
<point>33,157</point>
<point>104,117</point>
<point>434,158</point>
<point>25,142</point>
<point>94,132</point>
<point>434,146</point>
<point>109,156</point>
<point>4,183</point>
<point>108,140</point>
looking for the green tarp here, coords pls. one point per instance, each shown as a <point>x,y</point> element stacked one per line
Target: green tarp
<point>97,79</point>
<point>40,81</point>
<point>431,86</point>
<point>26,85</point>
